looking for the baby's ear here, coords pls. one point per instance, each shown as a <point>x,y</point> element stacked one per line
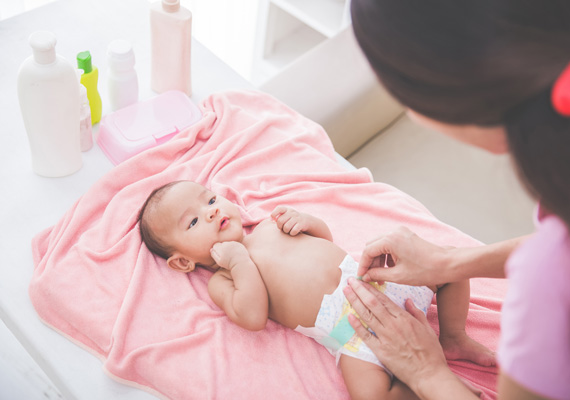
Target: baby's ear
<point>180,263</point>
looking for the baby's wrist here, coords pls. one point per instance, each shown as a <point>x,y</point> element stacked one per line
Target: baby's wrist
<point>239,261</point>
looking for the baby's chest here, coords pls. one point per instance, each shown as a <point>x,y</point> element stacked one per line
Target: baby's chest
<point>267,242</point>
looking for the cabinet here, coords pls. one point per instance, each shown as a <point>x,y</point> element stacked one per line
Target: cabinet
<point>290,28</point>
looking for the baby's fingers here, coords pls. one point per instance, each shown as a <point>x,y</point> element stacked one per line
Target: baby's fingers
<point>290,226</point>
<point>296,229</point>
<point>277,212</point>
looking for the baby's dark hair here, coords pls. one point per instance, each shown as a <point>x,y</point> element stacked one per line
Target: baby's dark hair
<point>150,239</point>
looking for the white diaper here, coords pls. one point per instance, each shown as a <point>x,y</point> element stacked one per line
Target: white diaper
<point>335,306</point>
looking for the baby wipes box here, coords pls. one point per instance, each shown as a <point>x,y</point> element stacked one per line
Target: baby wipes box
<point>143,125</point>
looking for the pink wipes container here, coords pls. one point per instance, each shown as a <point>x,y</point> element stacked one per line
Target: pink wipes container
<point>145,124</point>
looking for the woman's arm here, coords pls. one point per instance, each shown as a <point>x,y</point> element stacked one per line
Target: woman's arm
<point>405,343</point>
<point>415,261</point>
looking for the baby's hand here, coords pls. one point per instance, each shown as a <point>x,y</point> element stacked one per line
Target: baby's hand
<point>290,221</point>
<point>228,254</point>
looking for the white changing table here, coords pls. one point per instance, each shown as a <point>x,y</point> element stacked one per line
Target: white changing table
<point>30,203</point>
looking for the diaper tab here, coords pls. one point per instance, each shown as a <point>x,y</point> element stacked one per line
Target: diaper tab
<point>320,336</point>
<point>343,331</point>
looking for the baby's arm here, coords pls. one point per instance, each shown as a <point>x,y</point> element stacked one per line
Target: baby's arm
<point>294,222</point>
<point>237,287</point>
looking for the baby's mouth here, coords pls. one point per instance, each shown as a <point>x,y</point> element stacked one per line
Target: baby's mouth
<point>224,223</point>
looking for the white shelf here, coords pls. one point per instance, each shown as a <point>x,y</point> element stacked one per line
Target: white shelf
<point>289,48</point>
<point>290,28</point>
<point>325,16</point>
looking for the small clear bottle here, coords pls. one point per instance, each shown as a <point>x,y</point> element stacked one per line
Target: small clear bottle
<point>122,81</point>
<point>85,127</point>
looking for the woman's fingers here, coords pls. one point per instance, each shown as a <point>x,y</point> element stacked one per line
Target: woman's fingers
<point>403,257</point>
<point>368,337</point>
<point>374,307</point>
<point>373,256</point>
<point>383,252</point>
<point>403,340</point>
<point>416,312</point>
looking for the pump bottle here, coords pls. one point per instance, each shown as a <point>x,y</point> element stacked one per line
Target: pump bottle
<point>171,40</point>
<point>89,80</point>
<point>48,92</point>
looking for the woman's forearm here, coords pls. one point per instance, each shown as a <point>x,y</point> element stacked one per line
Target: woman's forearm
<point>443,385</point>
<point>482,261</point>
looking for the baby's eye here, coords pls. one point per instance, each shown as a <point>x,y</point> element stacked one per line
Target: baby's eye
<point>194,222</point>
<point>212,201</point>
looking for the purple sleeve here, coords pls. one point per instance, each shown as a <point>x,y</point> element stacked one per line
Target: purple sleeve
<point>534,349</point>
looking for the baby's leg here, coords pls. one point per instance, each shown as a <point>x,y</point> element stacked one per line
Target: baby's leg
<point>452,308</point>
<point>369,381</point>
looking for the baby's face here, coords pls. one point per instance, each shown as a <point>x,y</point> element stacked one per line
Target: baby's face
<point>191,219</point>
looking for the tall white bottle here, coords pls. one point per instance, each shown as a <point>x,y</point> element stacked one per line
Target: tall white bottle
<point>122,81</point>
<point>48,92</point>
<point>171,40</point>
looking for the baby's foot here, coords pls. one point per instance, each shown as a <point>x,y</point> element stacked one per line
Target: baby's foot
<point>459,346</point>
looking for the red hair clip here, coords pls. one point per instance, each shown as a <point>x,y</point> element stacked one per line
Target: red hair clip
<point>561,93</point>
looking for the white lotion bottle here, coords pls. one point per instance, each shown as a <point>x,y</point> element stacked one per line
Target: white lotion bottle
<point>122,81</point>
<point>171,41</point>
<point>48,92</point>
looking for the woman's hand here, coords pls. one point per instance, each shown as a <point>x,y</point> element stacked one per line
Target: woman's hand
<point>404,342</point>
<point>414,261</point>
<point>410,260</point>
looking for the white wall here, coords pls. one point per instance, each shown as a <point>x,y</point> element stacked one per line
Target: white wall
<point>227,28</point>
<point>9,8</point>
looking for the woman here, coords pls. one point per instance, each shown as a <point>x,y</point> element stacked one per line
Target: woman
<point>495,74</point>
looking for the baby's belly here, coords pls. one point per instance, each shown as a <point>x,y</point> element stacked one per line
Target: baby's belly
<point>297,274</point>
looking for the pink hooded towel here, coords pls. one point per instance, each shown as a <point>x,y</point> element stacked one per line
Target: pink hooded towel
<point>95,282</point>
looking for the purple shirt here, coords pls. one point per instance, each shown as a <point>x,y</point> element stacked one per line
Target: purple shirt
<point>534,349</point>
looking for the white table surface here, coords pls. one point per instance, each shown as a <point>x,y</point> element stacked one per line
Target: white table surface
<point>29,203</point>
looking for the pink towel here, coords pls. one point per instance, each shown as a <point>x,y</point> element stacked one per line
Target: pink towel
<point>96,283</point>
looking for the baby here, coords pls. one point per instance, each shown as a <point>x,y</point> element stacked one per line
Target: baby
<point>289,270</point>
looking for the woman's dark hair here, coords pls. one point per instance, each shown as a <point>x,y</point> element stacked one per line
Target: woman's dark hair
<point>486,63</point>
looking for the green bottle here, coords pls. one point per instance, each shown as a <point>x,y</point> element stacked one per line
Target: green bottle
<point>89,80</point>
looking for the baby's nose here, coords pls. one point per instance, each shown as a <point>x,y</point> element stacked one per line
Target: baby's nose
<point>212,212</point>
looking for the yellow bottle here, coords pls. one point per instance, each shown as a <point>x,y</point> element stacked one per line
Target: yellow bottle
<point>89,80</point>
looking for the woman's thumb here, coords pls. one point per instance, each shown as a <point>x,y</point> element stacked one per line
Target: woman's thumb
<point>416,312</point>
